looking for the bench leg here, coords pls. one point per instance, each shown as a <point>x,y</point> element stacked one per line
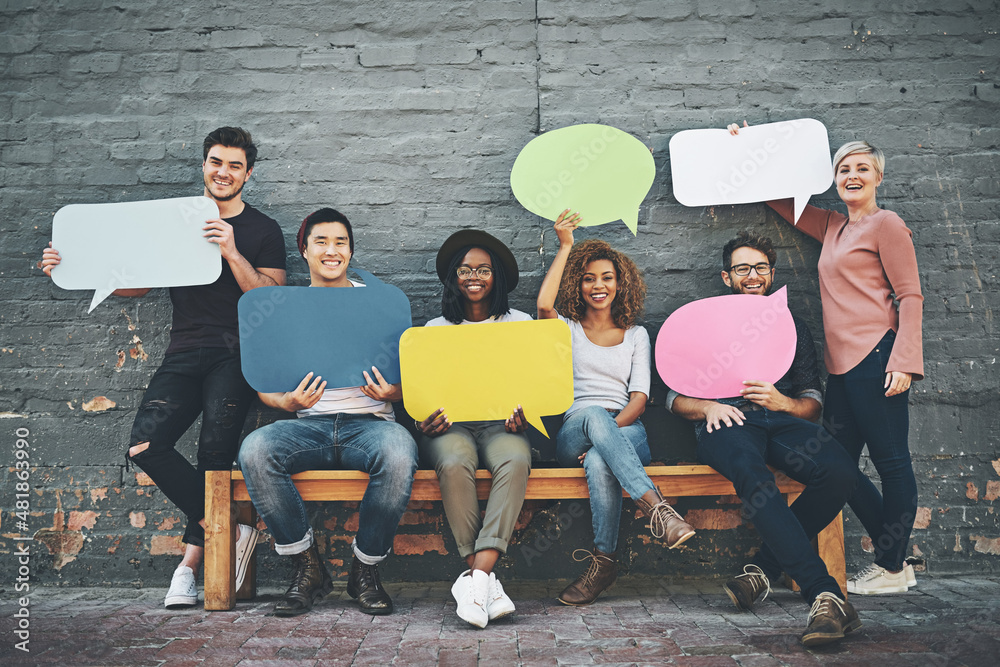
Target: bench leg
<point>247,514</point>
<point>220,542</point>
<point>830,547</point>
<point>830,544</point>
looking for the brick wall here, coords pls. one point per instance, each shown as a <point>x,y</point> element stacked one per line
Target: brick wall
<point>408,116</point>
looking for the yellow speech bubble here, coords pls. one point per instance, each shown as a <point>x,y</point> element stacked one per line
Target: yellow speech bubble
<point>483,372</point>
<point>596,170</point>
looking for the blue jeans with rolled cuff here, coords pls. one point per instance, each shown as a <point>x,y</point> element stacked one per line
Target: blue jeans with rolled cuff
<point>383,449</point>
<point>615,460</point>
<point>805,452</point>
<point>859,414</point>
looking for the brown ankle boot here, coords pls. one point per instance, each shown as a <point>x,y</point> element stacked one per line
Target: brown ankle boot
<point>665,522</point>
<point>310,583</point>
<point>601,573</point>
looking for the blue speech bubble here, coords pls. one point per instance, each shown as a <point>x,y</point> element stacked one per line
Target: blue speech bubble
<point>335,332</point>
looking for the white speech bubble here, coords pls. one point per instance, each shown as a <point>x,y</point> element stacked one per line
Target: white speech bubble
<point>761,163</point>
<point>156,243</point>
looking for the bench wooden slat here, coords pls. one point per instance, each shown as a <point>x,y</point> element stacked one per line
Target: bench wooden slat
<point>224,487</point>
<point>543,484</point>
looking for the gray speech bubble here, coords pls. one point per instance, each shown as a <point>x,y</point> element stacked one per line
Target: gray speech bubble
<point>155,243</point>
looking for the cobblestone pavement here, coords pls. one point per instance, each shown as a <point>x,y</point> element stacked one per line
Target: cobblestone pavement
<point>945,621</point>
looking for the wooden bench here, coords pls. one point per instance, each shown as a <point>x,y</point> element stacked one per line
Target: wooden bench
<point>224,489</point>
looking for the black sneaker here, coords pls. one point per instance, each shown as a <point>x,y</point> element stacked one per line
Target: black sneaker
<point>830,618</point>
<point>744,589</point>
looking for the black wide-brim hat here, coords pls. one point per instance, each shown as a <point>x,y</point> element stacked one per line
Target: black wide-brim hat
<point>475,237</point>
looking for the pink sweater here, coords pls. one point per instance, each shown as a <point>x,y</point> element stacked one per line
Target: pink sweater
<point>861,266</point>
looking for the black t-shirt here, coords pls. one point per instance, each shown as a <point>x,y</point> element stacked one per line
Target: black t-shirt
<point>205,315</point>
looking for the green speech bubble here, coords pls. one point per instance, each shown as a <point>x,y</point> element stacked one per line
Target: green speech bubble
<point>596,170</point>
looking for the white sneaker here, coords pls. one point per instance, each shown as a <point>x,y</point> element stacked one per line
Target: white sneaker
<point>876,580</point>
<point>470,592</point>
<point>246,542</point>
<point>182,592</point>
<point>498,604</point>
<point>911,577</point>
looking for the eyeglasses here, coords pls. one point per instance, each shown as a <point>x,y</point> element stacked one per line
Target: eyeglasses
<point>744,269</point>
<point>483,272</point>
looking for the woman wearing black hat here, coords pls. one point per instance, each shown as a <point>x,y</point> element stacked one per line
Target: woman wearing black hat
<point>478,271</point>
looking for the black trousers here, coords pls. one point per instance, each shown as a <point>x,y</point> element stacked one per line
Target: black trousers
<point>205,381</point>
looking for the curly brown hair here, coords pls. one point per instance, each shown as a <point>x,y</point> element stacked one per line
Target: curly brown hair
<point>630,298</point>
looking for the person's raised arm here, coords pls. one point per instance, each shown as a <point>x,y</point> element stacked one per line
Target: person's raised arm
<point>306,395</point>
<point>565,224</point>
<point>221,232</point>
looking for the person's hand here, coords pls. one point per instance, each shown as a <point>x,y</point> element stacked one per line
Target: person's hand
<point>436,424</point>
<point>379,389</point>
<point>734,129</point>
<point>50,258</point>
<point>221,232</point>
<point>765,395</point>
<point>719,413</point>
<point>565,224</point>
<point>896,382</point>
<point>517,422</point>
<point>306,395</point>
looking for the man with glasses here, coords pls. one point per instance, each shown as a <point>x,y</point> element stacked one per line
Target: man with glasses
<point>776,425</point>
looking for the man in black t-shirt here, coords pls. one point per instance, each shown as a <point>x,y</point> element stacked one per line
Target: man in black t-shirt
<point>201,373</point>
<point>776,425</point>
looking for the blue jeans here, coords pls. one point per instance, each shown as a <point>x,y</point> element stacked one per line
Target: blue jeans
<point>807,453</point>
<point>858,413</point>
<point>205,381</point>
<point>383,449</point>
<point>615,460</point>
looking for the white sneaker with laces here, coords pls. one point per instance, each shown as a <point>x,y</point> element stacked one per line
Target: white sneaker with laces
<point>470,591</point>
<point>498,604</point>
<point>246,542</point>
<point>876,580</point>
<point>182,592</point>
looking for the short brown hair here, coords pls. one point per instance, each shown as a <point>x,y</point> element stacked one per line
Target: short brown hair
<point>232,137</point>
<point>748,239</point>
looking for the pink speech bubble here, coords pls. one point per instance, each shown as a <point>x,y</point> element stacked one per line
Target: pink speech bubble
<point>707,348</point>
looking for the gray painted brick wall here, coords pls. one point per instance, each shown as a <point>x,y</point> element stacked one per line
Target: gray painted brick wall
<point>408,116</point>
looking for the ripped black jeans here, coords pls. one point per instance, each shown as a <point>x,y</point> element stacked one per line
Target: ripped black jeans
<point>206,381</point>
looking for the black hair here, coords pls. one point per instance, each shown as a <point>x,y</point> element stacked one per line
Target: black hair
<point>319,217</point>
<point>452,306</point>
<point>748,239</point>
<point>232,137</point>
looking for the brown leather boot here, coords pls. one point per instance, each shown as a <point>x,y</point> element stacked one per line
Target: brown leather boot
<point>599,577</point>
<point>310,583</point>
<point>665,522</point>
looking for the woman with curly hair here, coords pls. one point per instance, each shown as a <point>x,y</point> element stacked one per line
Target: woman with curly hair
<point>599,293</point>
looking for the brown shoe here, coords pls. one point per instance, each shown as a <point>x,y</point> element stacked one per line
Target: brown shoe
<point>310,583</point>
<point>601,573</point>
<point>830,618</point>
<point>665,522</point>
